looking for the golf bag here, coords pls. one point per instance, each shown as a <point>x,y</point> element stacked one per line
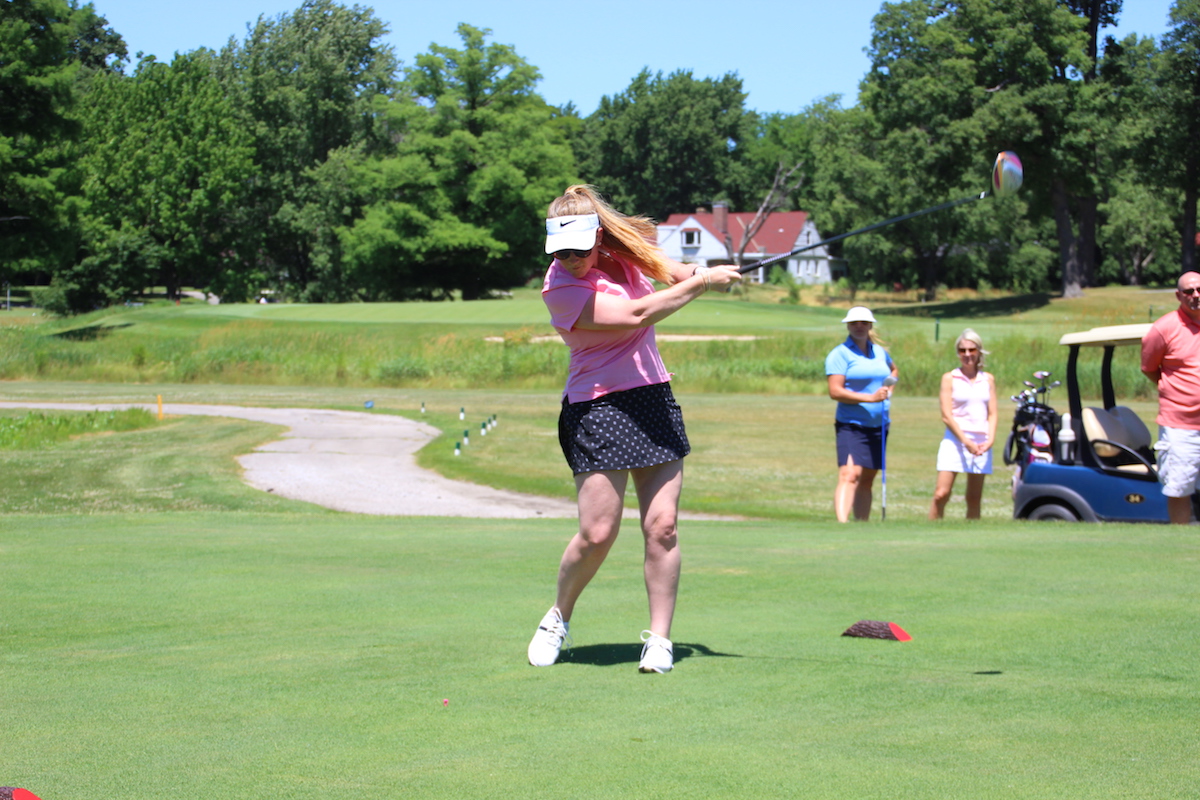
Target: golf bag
<point>1034,433</point>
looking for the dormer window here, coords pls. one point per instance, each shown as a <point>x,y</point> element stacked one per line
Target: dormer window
<point>691,237</point>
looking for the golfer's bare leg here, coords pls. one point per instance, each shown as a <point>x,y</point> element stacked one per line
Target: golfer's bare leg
<point>975,496</point>
<point>862,494</point>
<point>658,490</point>
<point>1179,510</point>
<point>601,501</point>
<point>941,493</point>
<point>847,485</point>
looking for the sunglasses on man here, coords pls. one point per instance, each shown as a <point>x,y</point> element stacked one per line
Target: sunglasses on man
<point>1190,291</point>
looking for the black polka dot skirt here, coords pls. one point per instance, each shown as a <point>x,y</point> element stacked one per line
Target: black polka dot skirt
<point>640,427</point>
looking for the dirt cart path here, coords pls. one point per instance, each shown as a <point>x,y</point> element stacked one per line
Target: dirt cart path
<point>353,461</point>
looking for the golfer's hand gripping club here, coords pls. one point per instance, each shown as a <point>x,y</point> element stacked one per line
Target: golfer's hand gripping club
<point>719,278</point>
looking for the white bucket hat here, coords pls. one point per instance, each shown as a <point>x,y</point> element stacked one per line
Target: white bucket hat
<point>575,232</point>
<point>859,314</point>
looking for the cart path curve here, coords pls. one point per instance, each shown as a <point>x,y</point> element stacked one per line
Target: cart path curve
<point>352,461</point>
<point>358,462</point>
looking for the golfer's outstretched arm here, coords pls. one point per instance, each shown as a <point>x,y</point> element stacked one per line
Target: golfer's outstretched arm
<point>609,312</point>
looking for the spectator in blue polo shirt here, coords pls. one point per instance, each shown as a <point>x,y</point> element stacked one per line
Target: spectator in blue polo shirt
<point>856,370</point>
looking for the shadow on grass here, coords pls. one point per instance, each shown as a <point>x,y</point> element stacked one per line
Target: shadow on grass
<point>610,655</point>
<point>996,307</point>
<point>90,333</point>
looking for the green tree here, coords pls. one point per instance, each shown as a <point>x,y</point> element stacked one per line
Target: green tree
<point>166,165</point>
<point>459,205</point>
<point>925,133</point>
<point>950,85</point>
<point>1098,14</point>
<point>779,141</point>
<point>306,84</point>
<point>1135,212</point>
<point>37,78</point>
<point>97,47</point>
<point>1077,188</point>
<point>48,48</point>
<point>666,144</point>
<point>1177,152</point>
<point>1137,235</point>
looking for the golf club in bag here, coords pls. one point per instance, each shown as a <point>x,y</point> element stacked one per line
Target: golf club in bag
<point>1007,176</point>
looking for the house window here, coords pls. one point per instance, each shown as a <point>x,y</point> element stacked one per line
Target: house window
<point>691,238</point>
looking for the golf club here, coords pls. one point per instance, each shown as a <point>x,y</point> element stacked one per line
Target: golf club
<point>1007,176</point>
<point>890,380</point>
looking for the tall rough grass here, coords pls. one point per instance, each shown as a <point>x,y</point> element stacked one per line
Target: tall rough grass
<point>35,429</point>
<point>432,356</point>
<point>796,363</point>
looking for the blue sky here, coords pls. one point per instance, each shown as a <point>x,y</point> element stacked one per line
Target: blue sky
<point>788,53</point>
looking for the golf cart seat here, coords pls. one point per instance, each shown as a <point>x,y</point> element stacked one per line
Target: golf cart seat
<point>1139,435</point>
<point>1119,440</point>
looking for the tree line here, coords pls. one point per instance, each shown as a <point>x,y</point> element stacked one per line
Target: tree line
<point>306,159</point>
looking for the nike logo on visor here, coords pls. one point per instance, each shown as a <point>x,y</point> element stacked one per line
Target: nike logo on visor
<point>566,223</point>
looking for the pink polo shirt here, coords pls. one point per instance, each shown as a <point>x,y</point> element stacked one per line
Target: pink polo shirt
<point>1173,346</point>
<point>602,361</point>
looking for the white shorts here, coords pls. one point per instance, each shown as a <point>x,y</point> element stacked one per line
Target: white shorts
<point>953,457</point>
<point>1178,460</point>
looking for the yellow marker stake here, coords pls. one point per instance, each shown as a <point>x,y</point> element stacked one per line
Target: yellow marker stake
<point>160,416</point>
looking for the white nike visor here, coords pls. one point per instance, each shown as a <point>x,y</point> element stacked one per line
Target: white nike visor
<point>576,232</point>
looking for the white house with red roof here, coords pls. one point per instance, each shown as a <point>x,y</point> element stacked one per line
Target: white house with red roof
<point>699,238</point>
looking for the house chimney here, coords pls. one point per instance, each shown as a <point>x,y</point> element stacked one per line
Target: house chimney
<point>721,217</point>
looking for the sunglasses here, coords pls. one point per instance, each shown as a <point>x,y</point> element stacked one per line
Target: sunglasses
<point>563,255</point>
<point>1190,291</point>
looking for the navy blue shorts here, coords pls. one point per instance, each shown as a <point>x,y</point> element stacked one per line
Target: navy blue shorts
<point>865,444</point>
<point>637,428</point>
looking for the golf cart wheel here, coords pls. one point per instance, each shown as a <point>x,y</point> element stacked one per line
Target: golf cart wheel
<point>1053,511</point>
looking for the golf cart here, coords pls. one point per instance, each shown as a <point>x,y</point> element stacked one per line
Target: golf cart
<point>1090,464</point>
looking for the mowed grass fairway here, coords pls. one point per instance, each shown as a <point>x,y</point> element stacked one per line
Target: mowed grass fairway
<point>298,656</point>
<point>167,632</point>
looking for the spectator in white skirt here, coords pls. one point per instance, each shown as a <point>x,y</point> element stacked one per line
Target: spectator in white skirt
<point>619,418</point>
<point>968,400</point>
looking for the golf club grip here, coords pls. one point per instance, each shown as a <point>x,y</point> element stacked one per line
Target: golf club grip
<point>766,262</point>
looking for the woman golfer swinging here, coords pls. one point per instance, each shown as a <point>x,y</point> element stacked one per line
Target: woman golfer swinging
<point>619,418</point>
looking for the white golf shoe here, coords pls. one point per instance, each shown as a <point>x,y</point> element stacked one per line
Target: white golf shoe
<point>548,640</point>
<point>657,653</point>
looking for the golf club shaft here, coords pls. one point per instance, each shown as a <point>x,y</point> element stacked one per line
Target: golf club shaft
<point>883,465</point>
<point>766,262</point>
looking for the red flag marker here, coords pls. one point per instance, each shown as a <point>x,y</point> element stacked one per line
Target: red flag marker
<point>7,792</point>
<point>874,629</point>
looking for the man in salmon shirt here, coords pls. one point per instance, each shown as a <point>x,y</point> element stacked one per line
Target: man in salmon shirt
<point>1171,358</point>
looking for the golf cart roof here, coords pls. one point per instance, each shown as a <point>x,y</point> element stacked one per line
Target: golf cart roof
<point>1110,335</point>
